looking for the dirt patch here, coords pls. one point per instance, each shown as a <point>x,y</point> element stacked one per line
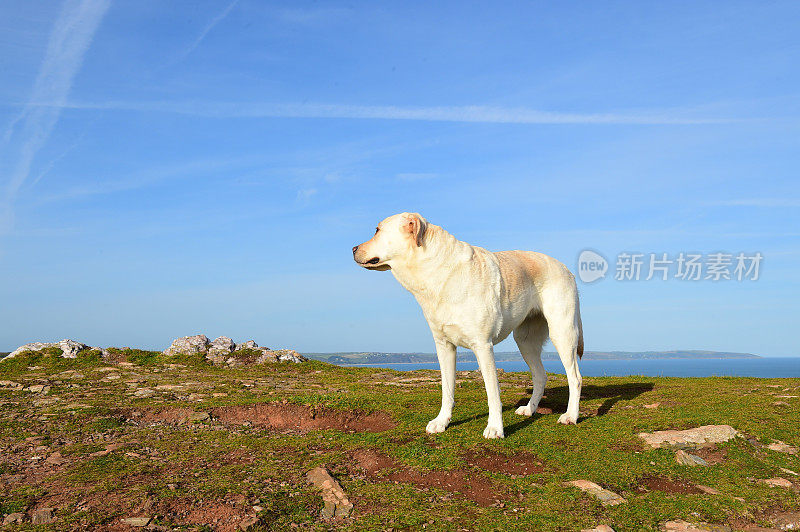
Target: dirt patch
<point>656,483</point>
<point>711,454</point>
<point>466,483</point>
<point>187,511</point>
<point>300,418</point>
<point>171,416</point>
<point>521,463</point>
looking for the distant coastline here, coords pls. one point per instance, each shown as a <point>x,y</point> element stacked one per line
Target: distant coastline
<point>355,358</point>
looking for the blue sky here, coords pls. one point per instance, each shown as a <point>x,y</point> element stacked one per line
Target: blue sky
<point>183,167</point>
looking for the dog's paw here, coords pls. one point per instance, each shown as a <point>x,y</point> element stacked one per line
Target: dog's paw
<point>524,411</point>
<point>437,425</point>
<point>491,432</point>
<point>566,419</point>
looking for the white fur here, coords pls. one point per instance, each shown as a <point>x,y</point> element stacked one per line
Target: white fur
<point>474,299</point>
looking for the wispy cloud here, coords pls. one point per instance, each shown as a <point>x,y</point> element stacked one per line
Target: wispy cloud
<point>467,113</point>
<point>203,34</point>
<point>759,202</point>
<point>69,40</point>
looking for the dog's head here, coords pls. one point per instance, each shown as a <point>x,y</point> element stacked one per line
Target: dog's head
<point>395,238</point>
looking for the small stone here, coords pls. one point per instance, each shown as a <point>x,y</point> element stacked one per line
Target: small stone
<point>249,523</point>
<point>777,482</point>
<point>144,392</point>
<point>14,518</point>
<point>336,503</point>
<point>42,516</point>
<point>781,447</point>
<point>38,388</point>
<point>138,522</point>
<point>788,471</point>
<point>787,520</point>
<point>780,403</point>
<point>199,416</point>
<point>55,459</point>
<point>684,458</point>
<point>706,489</point>
<point>599,528</point>
<point>249,344</point>
<point>13,386</point>
<point>680,525</point>
<point>652,406</point>
<point>695,436</point>
<point>606,497</point>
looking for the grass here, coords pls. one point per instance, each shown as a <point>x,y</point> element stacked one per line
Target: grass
<point>209,474</point>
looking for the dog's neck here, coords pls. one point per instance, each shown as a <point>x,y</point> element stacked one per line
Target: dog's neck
<point>426,269</point>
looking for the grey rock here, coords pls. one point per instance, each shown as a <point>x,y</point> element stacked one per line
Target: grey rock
<point>695,436</point>
<point>14,518</point>
<point>249,344</point>
<point>684,458</point>
<point>69,348</point>
<point>199,416</point>
<point>599,528</point>
<point>290,355</point>
<point>42,516</point>
<point>188,345</point>
<point>606,497</point>
<point>11,385</point>
<point>220,349</point>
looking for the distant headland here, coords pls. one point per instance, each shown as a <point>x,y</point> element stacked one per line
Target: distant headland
<point>466,356</point>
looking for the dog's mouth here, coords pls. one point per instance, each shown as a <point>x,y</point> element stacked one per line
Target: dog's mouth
<point>374,264</point>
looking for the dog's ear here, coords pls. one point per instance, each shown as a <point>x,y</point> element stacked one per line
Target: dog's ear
<point>416,225</point>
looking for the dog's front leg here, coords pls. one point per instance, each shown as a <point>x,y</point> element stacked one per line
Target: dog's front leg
<point>485,355</point>
<point>446,353</point>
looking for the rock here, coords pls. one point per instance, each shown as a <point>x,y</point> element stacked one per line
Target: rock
<point>682,526</point>
<point>220,349</point>
<point>14,518</point>
<point>706,489</point>
<point>787,520</point>
<point>606,497</point>
<point>69,348</point>
<point>684,458</point>
<point>290,355</point>
<point>248,523</point>
<point>696,436</point>
<point>144,392</point>
<point>38,388</point>
<point>336,503</point>
<point>250,344</point>
<point>599,528</point>
<point>42,516</point>
<point>782,447</point>
<point>199,416</point>
<point>138,522</point>
<point>11,385</point>
<point>780,403</point>
<point>777,482</point>
<point>788,471</point>
<point>652,406</point>
<point>267,356</point>
<point>188,345</point>
<point>55,459</point>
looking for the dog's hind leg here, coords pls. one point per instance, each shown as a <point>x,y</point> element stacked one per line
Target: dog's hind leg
<point>564,325</point>
<point>530,336</point>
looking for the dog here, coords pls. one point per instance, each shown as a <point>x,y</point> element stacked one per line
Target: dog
<point>474,298</point>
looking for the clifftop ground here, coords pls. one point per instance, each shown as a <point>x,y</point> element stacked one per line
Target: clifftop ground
<point>181,443</point>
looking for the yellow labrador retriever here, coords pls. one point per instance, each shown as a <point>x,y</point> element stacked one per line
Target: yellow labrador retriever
<point>474,298</point>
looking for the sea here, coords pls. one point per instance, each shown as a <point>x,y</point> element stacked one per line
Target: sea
<point>669,367</point>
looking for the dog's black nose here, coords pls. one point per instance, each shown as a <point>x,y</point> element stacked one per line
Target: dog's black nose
<point>355,248</point>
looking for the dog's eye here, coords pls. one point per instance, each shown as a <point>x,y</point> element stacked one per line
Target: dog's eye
<point>377,229</point>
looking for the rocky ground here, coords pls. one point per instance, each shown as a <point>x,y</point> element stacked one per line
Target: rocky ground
<point>129,439</point>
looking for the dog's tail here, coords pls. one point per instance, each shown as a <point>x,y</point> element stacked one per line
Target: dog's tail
<point>580,329</point>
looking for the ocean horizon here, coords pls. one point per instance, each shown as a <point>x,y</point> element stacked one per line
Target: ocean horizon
<point>764,367</point>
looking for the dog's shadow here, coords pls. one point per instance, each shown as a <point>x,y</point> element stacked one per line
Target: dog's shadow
<point>557,400</point>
